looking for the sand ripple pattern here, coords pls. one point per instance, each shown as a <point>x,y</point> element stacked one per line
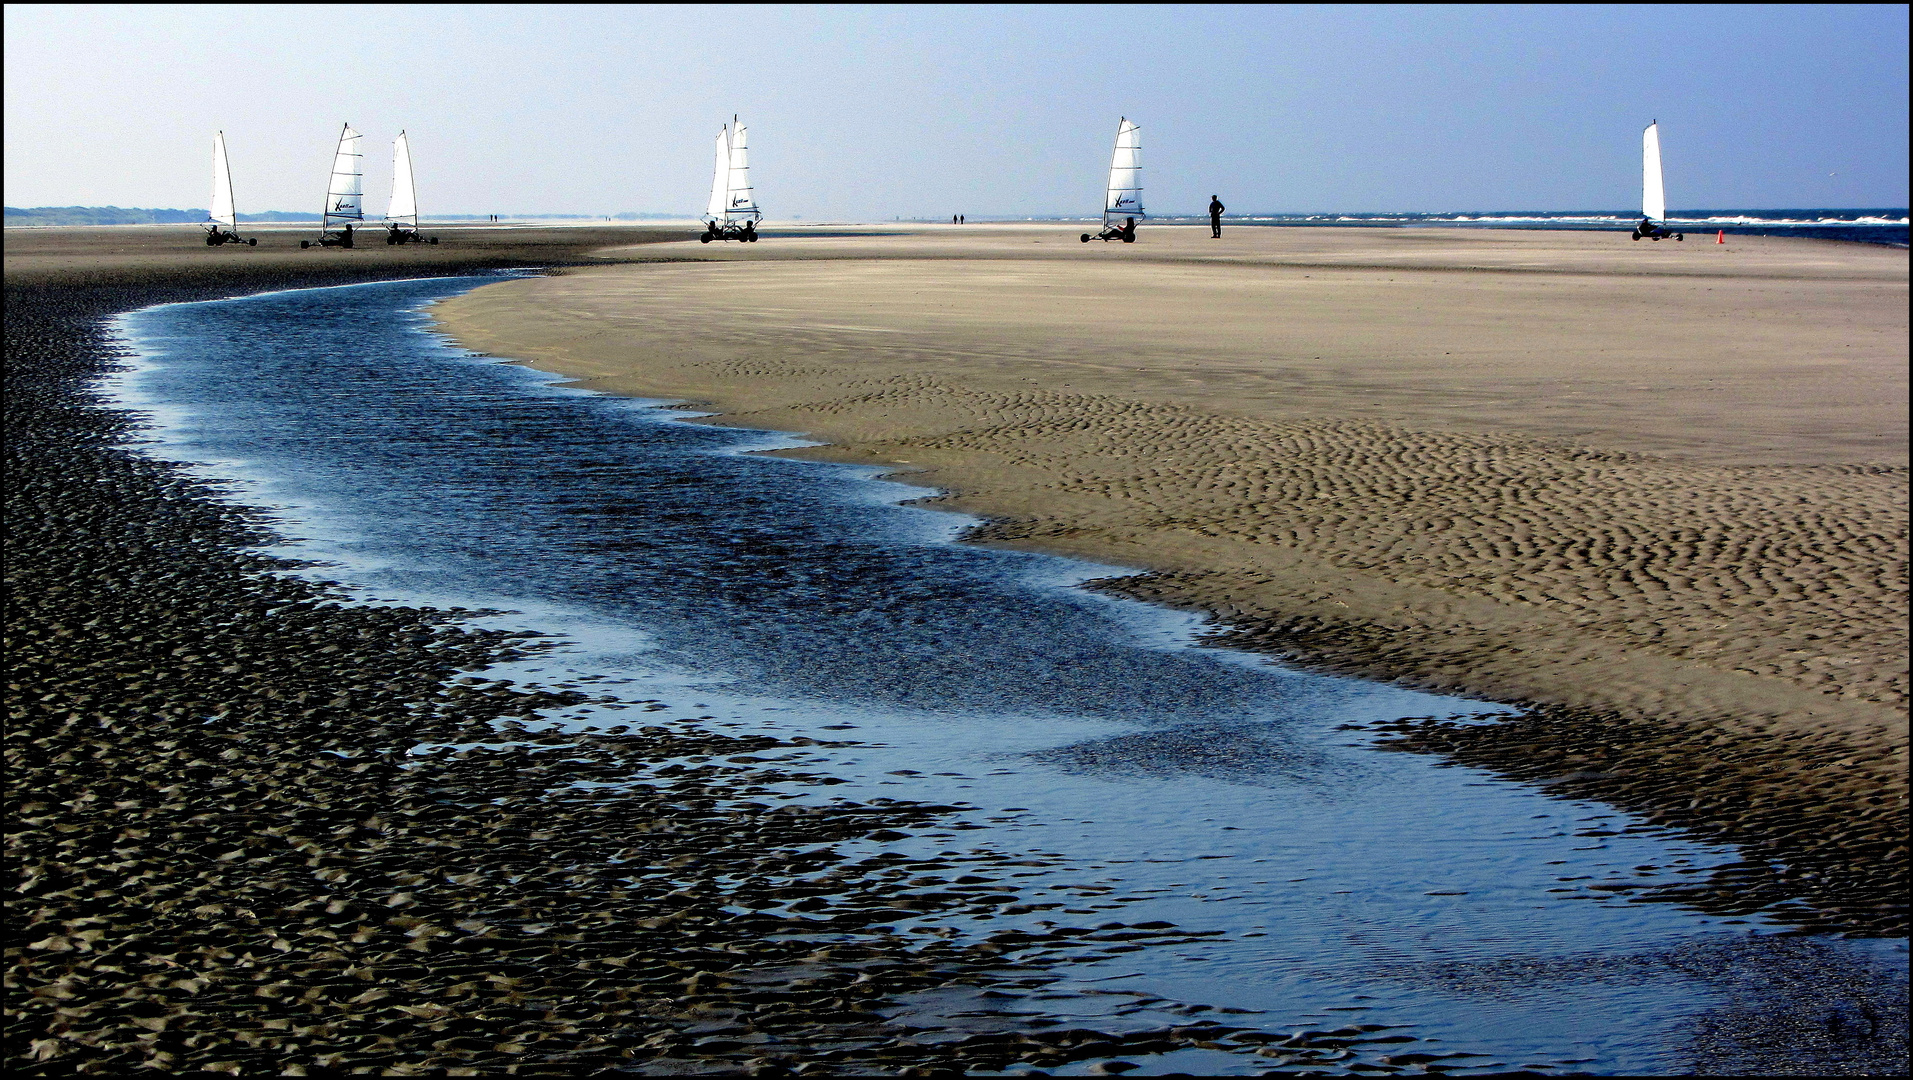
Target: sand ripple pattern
<point>1790,572</point>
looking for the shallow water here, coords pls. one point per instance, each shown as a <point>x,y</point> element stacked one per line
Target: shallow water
<point>1121,773</point>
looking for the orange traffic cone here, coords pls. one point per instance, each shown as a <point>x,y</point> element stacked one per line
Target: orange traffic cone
<point>1722,238</point>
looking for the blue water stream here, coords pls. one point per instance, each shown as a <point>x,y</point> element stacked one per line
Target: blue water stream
<point>1140,777</point>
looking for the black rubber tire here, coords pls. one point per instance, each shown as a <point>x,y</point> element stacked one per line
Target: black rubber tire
<point>304,244</point>
<point>1129,239</point>
<point>704,238</point>
<point>390,240</point>
<point>253,242</point>
<point>1637,234</point>
<point>1680,236</point>
<point>1085,238</point>
<point>433,240</point>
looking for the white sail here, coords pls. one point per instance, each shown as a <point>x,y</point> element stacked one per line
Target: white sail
<point>345,195</point>
<point>222,212</point>
<point>404,206</point>
<point>1124,198</point>
<point>720,176</point>
<point>1653,191</point>
<point>740,201</point>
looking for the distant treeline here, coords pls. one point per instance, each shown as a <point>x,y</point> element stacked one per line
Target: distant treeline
<point>115,215</point>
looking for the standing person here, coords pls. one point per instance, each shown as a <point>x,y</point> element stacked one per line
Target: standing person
<point>1215,217</point>
<point>959,219</point>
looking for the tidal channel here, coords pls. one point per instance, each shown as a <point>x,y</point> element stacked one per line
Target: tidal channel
<point>1120,772</point>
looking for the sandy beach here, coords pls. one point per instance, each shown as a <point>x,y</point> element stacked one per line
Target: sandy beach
<point>288,889</point>
<point>1660,483</point>
<point>1671,458</point>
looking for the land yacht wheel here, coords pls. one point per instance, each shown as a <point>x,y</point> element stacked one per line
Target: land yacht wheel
<point>253,242</point>
<point>704,238</point>
<point>1637,234</point>
<point>1085,238</point>
<point>1680,236</point>
<point>304,244</point>
<point>434,240</point>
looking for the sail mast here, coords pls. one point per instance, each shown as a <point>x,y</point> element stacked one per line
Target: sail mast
<point>1124,196</point>
<point>404,186</point>
<point>1653,190</point>
<point>345,194</point>
<point>223,209</point>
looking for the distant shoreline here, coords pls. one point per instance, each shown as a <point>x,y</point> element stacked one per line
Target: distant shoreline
<point>1868,225</point>
<point>1895,237</point>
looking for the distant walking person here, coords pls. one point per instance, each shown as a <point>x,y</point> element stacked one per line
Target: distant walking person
<point>1215,217</point>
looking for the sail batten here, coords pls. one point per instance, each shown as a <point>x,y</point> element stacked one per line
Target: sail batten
<point>1653,190</point>
<point>223,212</point>
<point>1124,195</point>
<point>404,206</point>
<point>345,194</point>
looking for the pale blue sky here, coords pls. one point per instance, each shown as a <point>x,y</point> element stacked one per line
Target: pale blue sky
<point>865,113</point>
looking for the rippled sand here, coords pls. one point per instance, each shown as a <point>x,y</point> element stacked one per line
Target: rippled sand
<point>1667,480</point>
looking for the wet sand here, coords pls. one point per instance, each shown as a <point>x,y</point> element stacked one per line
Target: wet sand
<point>230,858</point>
<point>171,254</point>
<point>1639,484</point>
<point>286,889</point>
